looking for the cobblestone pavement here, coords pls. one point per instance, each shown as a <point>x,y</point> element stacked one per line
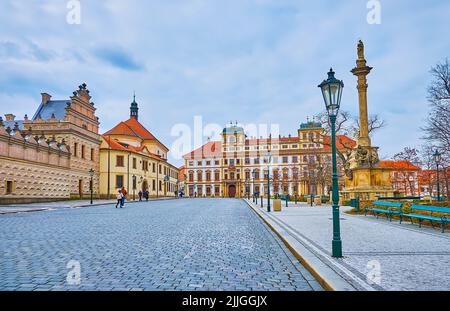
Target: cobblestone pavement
<point>385,255</point>
<point>184,244</point>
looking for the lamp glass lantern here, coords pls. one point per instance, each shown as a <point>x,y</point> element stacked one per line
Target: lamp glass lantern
<point>332,93</point>
<point>437,157</point>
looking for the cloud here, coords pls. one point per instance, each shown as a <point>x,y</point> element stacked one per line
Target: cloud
<point>251,61</point>
<point>118,57</point>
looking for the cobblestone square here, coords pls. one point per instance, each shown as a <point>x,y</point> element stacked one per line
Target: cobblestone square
<point>203,244</point>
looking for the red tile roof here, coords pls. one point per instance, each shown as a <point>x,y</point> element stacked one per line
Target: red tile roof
<point>399,165</point>
<point>212,149</point>
<point>342,142</point>
<point>115,145</point>
<point>134,128</point>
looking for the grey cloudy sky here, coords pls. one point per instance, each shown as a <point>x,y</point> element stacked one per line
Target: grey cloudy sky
<point>256,61</point>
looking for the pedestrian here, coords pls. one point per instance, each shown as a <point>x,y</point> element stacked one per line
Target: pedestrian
<point>119,198</point>
<point>146,195</point>
<point>124,196</point>
<point>140,195</point>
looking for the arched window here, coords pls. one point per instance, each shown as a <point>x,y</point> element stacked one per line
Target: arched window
<point>199,175</point>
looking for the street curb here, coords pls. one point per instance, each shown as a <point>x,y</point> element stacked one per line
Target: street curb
<point>79,206</point>
<point>128,202</point>
<point>318,268</point>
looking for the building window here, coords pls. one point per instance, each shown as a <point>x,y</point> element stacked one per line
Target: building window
<point>154,168</point>
<point>145,166</point>
<point>92,154</point>
<point>285,160</point>
<point>256,161</point>
<point>217,176</point>
<point>75,150</point>
<point>9,187</point>
<point>199,176</point>
<point>119,181</point>
<point>160,167</point>
<point>295,159</point>
<point>199,163</point>
<point>217,162</point>
<point>191,163</point>
<point>83,151</point>
<point>160,185</point>
<point>217,190</point>
<point>154,185</point>
<point>134,163</point>
<point>191,176</point>
<point>120,161</point>
<point>208,176</point>
<point>208,163</point>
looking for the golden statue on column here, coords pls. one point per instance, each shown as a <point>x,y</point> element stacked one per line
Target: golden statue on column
<point>364,178</point>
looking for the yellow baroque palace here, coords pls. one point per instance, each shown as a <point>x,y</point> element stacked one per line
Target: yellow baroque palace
<point>236,165</point>
<point>133,158</point>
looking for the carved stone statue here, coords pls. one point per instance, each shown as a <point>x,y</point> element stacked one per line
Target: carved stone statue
<point>360,50</point>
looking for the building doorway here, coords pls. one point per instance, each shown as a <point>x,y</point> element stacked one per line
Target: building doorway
<point>232,191</point>
<point>144,185</point>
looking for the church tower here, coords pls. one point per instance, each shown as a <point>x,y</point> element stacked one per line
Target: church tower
<point>134,110</point>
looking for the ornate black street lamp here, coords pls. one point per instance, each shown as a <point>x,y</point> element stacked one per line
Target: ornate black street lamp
<point>91,185</point>
<point>437,159</point>
<point>253,186</point>
<point>134,187</point>
<point>332,94</point>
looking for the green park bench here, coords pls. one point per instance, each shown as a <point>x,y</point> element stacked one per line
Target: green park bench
<point>432,218</point>
<point>388,208</point>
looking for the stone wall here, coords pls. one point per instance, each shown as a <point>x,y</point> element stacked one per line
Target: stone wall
<point>32,169</point>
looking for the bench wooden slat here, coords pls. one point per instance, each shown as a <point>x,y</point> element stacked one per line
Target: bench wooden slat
<point>427,217</point>
<point>426,208</point>
<point>390,204</point>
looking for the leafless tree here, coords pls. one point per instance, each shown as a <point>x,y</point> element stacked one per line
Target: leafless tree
<point>437,128</point>
<point>409,154</point>
<point>375,123</point>
<point>346,125</point>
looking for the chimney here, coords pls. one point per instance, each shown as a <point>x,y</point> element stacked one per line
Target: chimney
<point>45,98</point>
<point>10,117</point>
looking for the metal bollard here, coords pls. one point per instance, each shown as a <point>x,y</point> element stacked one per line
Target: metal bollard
<point>262,202</point>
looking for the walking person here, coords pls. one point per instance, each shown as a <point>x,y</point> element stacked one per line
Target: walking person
<point>124,197</point>
<point>146,195</point>
<point>140,195</point>
<point>119,198</point>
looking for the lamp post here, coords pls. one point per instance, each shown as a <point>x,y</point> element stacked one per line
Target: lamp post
<point>91,185</point>
<point>134,187</point>
<point>268,159</point>
<point>437,158</point>
<point>253,186</point>
<point>332,94</point>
